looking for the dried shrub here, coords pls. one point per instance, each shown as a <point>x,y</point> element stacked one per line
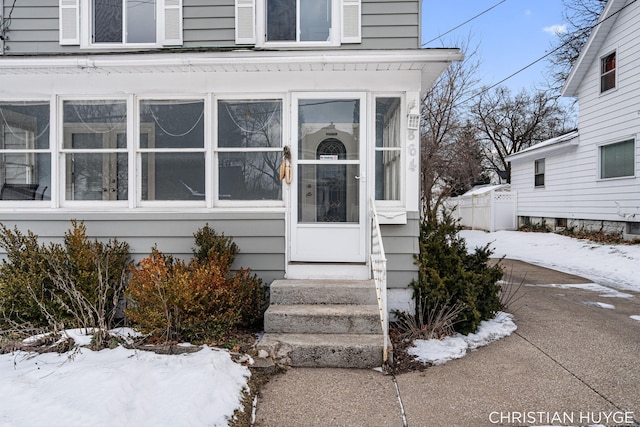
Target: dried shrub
<point>430,321</point>
<point>196,301</point>
<point>77,284</point>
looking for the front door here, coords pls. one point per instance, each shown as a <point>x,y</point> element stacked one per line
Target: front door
<point>328,200</point>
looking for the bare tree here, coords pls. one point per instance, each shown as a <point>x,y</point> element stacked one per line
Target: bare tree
<point>580,16</point>
<point>447,142</point>
<point>507,124</point>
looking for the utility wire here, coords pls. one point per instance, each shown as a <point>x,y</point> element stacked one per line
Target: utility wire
<point>580,34</point>
<point>464,23</point>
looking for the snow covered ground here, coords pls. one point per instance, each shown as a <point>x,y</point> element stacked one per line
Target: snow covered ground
<point>613,268</point>
<point>138,388</point>
<point>119,387</point>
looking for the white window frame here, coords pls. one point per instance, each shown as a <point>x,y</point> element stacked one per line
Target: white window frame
<point>633,159</point>
<point>206,150</point>
<point>215,181</point>
<point>250,25</point>
<point>61,183</point>
<point>34,152</point>
<point>382,203</point>
<point>261,28</point>
<point>169,26</point>
<point>602,74</point>
<point>537,172</point>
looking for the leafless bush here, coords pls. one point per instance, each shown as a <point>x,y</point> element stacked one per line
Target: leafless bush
<point>431,321</point>
<point>511,293</point>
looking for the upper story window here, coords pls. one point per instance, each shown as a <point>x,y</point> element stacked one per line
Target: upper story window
<point>120,23</point>
<point>124,21</point>
<point>608,72</point>
<point>298,20</point>
<point>283,23</point>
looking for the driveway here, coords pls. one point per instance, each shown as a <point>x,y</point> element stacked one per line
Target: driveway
<point>574,360</point>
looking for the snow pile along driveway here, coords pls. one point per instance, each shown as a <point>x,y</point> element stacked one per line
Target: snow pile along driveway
<point>438,352</point>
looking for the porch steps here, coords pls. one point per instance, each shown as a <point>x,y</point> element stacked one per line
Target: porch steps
<point>323,323</point>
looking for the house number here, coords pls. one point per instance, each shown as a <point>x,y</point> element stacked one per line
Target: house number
<point>412,157</point>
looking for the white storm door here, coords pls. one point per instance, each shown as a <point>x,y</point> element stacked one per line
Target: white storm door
<point>328,197</point>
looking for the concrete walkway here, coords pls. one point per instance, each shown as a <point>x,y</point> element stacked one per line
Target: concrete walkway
<point>574,360</point>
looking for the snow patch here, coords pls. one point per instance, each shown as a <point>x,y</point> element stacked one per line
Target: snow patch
<point>438,352</point>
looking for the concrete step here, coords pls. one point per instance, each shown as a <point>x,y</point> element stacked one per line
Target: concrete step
<point>324,350</point>
<point>322,319</point>
<point>290,292</point>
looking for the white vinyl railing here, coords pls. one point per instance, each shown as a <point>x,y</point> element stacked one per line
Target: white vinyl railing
<point>379,271</point>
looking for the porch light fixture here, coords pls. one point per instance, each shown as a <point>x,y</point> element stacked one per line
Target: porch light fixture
<point>413,118</point>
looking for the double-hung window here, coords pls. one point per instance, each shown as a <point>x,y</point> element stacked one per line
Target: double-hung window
<point>539,172</point>
<point>120,23</point>
<point>388,160</point>
<point>618,160</point>
<point>172,150</point>
<point>298,22</point>
<point>608,72</point>
<point>249,149</point>
<point>25,155</point>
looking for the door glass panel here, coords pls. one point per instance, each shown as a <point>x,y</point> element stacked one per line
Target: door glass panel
<point>328,174</point>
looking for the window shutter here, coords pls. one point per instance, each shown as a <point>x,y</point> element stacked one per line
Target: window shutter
<point>172,31</point>
<point>351,25</point>
<point>245,22</point>
<point>69,22</point>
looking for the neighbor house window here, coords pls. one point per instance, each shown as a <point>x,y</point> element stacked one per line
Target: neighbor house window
<point>95,150</point>
<point>249,149</point>
<point>608,72</point>
<point>388,164</point>
<point>25,156</point>
<point>539,173</point>
<point>172,150</point>
<point>618,159</point>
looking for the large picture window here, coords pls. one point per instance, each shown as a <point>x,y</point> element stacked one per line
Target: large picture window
<point>172,155</point>
<point>618,159</point>
<point>249,149</point>
<point>388,151</point>
<point>25,156</point>
<point>95,150</point>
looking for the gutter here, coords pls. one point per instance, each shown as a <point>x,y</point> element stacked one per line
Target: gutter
<point>243,57</point>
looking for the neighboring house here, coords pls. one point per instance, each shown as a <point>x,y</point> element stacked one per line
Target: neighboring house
<point>149,119</point>
<point>590,178</point>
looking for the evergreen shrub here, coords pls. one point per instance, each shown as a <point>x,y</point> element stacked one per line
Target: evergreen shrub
<point>449,275</point>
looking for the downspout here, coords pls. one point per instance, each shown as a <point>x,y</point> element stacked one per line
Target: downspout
<point>2,28</point>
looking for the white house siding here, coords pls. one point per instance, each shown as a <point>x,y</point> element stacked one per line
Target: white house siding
<point>572,188</point>
<point>386,24</point>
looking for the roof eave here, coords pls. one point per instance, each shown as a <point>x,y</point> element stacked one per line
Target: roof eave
<point>591,48</point>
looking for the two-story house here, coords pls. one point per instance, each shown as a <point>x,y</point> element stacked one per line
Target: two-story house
<point>148,119</point>
<point>590,178</point>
